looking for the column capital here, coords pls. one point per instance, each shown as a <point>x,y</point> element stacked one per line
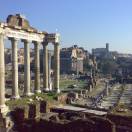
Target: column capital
<point>13,39</point>
<point>26,41</point>
<point>2,33</point>
<point>36,42</point>
<point>44,43</point>
<point>56,44</point>
<point>3,36</point>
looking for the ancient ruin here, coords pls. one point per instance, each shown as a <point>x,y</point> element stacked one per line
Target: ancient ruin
<point>17,28</point>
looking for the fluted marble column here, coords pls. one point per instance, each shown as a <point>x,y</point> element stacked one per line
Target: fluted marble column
<point>45,66</point>
<point>56,67</point>
<point>15,92</point>
<point>27,89</point>
<point>2,75</point>
<point>37,67</point>
<point>49,71</point>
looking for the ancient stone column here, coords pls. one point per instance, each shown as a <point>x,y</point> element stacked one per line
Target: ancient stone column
<point>107,88</point>
<point>49,71</point>
<point>15,92</point>
<point>56,67</point>
<point>27,89</point>
<point>45,66</point>
<point>37,67</point>
<point>2,75</point>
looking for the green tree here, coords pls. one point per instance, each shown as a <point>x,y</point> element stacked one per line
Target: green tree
<point>87,67</point>
<point>108,66</point>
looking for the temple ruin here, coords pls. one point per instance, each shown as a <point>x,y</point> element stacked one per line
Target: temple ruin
<point>17,28</point>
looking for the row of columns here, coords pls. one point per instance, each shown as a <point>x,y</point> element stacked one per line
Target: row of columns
<point>56,67</point>
<point>27,89</point>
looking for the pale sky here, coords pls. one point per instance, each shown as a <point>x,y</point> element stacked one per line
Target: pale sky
<point>88,23</point>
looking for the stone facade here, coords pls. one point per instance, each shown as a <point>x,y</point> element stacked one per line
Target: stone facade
<point>102,52</point>
<point>71,59</point>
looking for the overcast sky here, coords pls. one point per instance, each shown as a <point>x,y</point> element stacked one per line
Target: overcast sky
<point>88,23</point>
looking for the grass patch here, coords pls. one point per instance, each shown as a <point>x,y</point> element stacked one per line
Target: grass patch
<point>17,103</point>
<point>65,83</point>
<point>33,99</point>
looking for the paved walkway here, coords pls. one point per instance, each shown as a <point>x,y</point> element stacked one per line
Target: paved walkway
<point>79,109</point>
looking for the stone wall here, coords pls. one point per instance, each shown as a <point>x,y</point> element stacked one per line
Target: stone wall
<point>123,123</point>
<point>38,118</point>
<point>66,122</point>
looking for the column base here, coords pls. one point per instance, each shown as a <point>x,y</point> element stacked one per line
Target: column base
<point>57,90</point>
<point>50,87</point>
<point>6,123</point>
<point>28,94</point>
<point>37,91</point>
<point>4,109</point>
<point>46,89</point>
<point>15,97</point>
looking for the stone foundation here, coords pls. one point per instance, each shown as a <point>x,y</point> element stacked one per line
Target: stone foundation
<point>37,118</point>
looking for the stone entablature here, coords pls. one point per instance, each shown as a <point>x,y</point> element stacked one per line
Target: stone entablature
<point>18,33</point>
